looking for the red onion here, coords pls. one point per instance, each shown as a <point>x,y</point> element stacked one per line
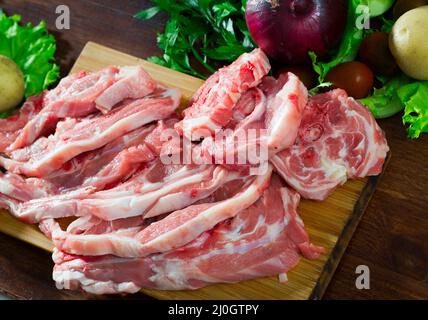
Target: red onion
<point>287,29</point>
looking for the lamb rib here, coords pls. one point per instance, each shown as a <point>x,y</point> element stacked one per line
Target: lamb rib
<point>155,190</point>
<point>265,119</point>
<point>76,137</point>
<point>338,139</point>
<point>78,95</point>
<point>11,127</point>
<point>132,82</point>
<point>99,169</point>
<point>212,106</point>
<point>172,232</point>
<point>263,240</point>
<point>93,168</point>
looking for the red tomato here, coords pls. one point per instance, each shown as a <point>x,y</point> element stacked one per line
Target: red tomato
<point>354,77</point>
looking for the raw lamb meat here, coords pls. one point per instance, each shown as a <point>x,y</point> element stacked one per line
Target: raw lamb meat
<point>81,94</point>
<point>263,120</point>
<point>131,82</point>
<point>266,239</point>
<point>74,137</point>
<point>100,168</point>
<point>16,187</point>
<point>11,127</point>
<point>172,232</point>
<point>108,152</point>
<point>338,139</point>
<point>212,106</point>
<point>155,190</point>
<point>106,165</point>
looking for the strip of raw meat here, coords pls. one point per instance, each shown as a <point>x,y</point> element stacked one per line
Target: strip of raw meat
<point>174,231</point>
<point>338,139</point>
<point>284,111</point>
<point>262,240</point>
<point>270,127</point>
<point>11,126</point>
<point>16,187</point>
<point>99,169</point>
<point>123,166</point>
<point>15,205</point>
<point>156,190</point>
<point>212,106</point>
<point>133,82</point>
<point>73,97</point>
<point>81,170</point>
<point>76,137</point>
<point>78,95</point>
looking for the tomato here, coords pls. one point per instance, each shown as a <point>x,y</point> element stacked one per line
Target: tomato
<point>402,6</point>
<point>305,73</point>
<point>354,77</point>
<point>374,51</point>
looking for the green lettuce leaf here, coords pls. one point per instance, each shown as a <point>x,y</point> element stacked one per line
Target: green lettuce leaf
<point>384,102</point>
<point>379,7</point>
<point>414,97</point>
<point>32,49</point>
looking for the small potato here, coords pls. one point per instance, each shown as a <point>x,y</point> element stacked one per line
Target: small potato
<point>409,45</point>
<point>12,85</point>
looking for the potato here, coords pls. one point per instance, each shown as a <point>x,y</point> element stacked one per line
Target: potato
<point>409,45</point>
<point>12,85</point>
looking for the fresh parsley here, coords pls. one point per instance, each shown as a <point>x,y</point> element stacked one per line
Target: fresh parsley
<point>351,40</point>
<point>200,35</point>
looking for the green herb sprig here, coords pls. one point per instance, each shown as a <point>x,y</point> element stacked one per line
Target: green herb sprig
<point>200,33</point>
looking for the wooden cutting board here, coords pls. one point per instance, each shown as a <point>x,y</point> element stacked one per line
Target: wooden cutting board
<point>330,223</point>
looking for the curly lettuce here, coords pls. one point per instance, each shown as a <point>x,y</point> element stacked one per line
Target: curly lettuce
<point>414,96</point>
<point>32,49</point>
<point>384,102</point>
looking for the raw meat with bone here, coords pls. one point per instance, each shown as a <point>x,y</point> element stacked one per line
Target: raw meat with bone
<point>212,105</point>
<point>185,226</point>
<point>265,239</point>
<point>155,190</point>
<point>100,168</point>
<point>131,83</point>
<point>270,126</point>
<point>11,127</point>
<point>16,187</point>
<point>81,94</point>
<point>76,137</point>
<point>338,139</point>
<point>172,232</point>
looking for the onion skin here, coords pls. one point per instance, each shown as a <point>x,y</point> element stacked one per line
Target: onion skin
<point>288,29</point>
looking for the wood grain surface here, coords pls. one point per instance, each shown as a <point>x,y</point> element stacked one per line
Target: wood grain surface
<point>392,238</point>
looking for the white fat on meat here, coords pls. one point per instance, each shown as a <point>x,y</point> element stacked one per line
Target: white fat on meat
<point>266,121</point>
<point>265,239</point>
<point>175,230</point>
<point>48,154</point>
<point>131,83</point>
<point>140,195</point>
<point>212,106</point>
<point>11,127</point>
<point>338,139</point>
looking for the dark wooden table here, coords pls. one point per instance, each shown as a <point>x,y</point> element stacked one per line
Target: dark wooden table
<point>392,238</point>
